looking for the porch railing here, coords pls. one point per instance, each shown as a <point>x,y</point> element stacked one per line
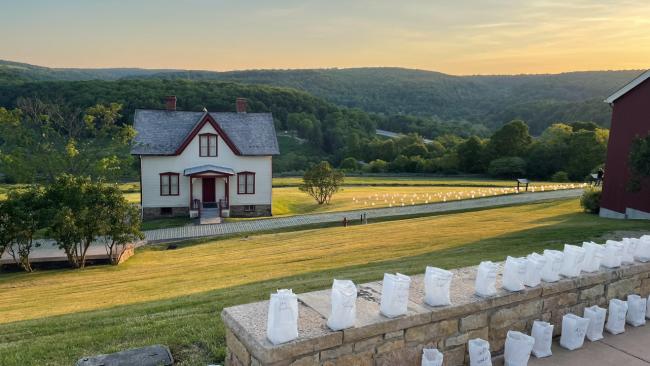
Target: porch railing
<point>223,204</point>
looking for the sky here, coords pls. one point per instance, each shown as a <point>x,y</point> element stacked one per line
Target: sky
<point>457,37</point>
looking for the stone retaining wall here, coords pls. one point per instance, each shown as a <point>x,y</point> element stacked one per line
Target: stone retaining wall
<point>377,340</point>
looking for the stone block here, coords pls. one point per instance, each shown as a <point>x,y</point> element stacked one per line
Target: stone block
<point>237,348</point>
<point>621,288</point>
<point>400,356</point>
<point>311,360</point>
<point>497,336</point>
<point>455,356</point>
<point>592,293</point>
<point>157,355</point>
<point>506,316</point>
<point>389,346</point>
<point>560,300</point>
<point>368,344</point>
<point>427,332</point>
<point>464,337</point>
<point>396,334</point>
<point>335,352</point>
<point>249,323</point>
<point>356,359</point>
<point>473,321</point>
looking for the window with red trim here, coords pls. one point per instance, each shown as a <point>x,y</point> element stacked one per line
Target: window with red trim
<point>207,144</point>
<point>169,184</point>
<point>246,183</point>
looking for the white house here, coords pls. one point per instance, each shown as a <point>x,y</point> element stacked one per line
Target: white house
<point>192,163</point>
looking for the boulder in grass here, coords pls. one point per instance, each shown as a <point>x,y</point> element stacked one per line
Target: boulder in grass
<point>156,355</point>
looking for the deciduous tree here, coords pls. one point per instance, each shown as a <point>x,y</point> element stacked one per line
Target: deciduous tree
<point>321,182</point>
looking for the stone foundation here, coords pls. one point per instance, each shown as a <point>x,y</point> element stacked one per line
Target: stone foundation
<point>155,212</point>
<point>259,211</point>
<point>377,340</point>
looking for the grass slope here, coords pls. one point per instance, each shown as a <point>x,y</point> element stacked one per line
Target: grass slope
<point>175,297</point>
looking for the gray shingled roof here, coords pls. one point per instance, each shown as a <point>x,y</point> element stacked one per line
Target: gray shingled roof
<point>161,132</point>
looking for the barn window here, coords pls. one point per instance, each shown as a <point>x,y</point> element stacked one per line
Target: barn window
<point>208,144</point>
<point>169,184</point>
<point>246,183</point>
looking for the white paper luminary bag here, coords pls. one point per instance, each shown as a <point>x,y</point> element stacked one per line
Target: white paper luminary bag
<point>514,272</point>
<point>574,329</point>
<point>282,321</point>
<point>437,283</point>
<point>479,352</point>
<point>344,305</point>
<point>613,254</point>
<point>431,357</point>
<point>536,263</point>
<point>593,256</point>
<point>543,334</point>
<point>551,269</point>
<point>596,316</point>
<point>517,349</point>
<point>616,319</point>
<point>629,248</point>
<point>486,277</point>
<point>395,295</point>
<point>572,262</point>
<point>636,309</point>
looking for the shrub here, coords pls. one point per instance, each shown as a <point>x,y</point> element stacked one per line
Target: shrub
<point>349,164</point>
<point>560,177</point>
<point>590,200</point>
<point>509,167</point>
<point>378,166</point>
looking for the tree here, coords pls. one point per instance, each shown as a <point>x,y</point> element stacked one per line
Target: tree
<point>512,139</point>
<point>41,141</point>
<point>471,157</point>
<point>378,166</point>
<point>123,227</point>
<point>321,182</point>
<point>508,167</point>
<point>349,164</point>
<point>416,149</point>
<point>23,212</point>
<point>587,150</point>
<point>639,162</point>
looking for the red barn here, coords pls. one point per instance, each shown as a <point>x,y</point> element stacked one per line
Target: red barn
<point>630,118</point>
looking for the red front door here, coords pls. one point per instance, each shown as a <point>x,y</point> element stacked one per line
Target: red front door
<point>209,194</point>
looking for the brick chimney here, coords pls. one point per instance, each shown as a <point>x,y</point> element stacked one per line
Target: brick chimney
<point>242,105</point>
<point>170,103</point>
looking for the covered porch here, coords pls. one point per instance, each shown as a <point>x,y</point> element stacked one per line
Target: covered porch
<point>209,190</point>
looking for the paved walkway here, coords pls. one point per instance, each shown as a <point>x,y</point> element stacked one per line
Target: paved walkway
<point>197,231</point>
<point>628,349</point>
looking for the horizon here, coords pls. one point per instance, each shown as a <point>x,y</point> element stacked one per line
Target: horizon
<point>465,38</point>
<point>314,69</point>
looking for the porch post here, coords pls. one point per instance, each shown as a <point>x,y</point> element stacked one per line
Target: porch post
<point>191,191</point>
<point>228,191</point>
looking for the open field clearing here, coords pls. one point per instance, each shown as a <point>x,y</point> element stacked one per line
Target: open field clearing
<point>174,297</point>
<point>291,201</point>
<point>410,181</point>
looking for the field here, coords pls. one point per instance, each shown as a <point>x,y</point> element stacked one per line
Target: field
<point>362,193</point>
<point>174,297</point>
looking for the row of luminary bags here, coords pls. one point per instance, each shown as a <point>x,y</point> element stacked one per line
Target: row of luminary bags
<point>282,322</point>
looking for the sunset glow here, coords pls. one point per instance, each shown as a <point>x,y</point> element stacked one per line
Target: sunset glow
<point>459,37</point>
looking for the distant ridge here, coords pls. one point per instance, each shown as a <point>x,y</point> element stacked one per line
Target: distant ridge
<point>491,100</point>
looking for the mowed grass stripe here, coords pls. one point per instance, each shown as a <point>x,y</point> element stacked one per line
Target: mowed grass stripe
<point>190,323</point>
<point>158,274</point>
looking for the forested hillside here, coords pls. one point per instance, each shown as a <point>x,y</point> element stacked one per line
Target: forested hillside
<point>487,101</point>
<point>333,117</point>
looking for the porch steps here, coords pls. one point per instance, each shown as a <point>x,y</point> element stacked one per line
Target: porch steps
<point>209,216</point>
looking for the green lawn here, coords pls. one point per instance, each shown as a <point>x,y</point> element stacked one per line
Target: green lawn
<point>174,297</point>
